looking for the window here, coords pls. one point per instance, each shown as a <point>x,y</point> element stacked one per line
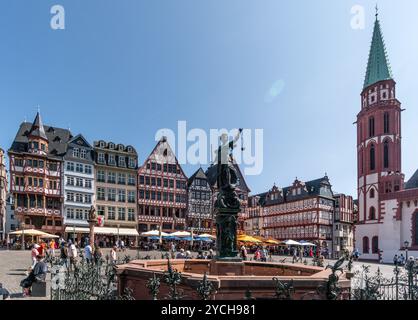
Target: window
<point>111,213</point>
<point>131,214</point>
<point>70,196</point>
<point>131,196</point>
<point>83,154</point>
<point>122,162</point>
<point>70,166</point>
<point>372,193</point>
<point>141,179</point>
<point>415,228</point>
<point>366,248</point>
<point>112,160</point>
<point>70,213</point>
<point>100,210</point>
<point>121,214</point>
<point>87,198</point>
<point>88,169</point>
<point>79,168</point>
<point>121,195</point>
<point>121,178</point>
<point>375,244</point>
<point>101,158</point>
<point>131,179</point>
<point>111,177</point>
<point>372,213</point>
<point>386,122</point>
<point>111,194</point>
<point>88,184</point>
<point>386,155</point>
<point>76,153</point>
<point>79,182</point>
<point>371,126</point>
<point>101,176</point>
<point>101,194</point>
<point>70,181</point>
<point>79,197</point>
<point>372,158</point>
<point>79,214</point>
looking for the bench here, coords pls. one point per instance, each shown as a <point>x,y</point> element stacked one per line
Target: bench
<point>39,289</point>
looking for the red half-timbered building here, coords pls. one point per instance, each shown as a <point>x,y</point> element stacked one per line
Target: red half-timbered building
<point>303,211</point>
<point>162,191</point>
<point>36,168</point>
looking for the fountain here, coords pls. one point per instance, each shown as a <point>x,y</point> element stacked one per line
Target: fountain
<point>227,275</point>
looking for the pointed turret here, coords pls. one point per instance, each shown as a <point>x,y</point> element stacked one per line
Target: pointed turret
<point>37,129</point>
<point>378,67</point>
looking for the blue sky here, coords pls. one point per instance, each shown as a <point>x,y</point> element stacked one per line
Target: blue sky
<point>121,70</point>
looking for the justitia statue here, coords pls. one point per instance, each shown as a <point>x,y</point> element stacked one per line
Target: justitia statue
<point>92,214</point>
<point>227,205</point>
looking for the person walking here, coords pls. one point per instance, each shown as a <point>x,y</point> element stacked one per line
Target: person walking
<point>97,254</point>
<point>63,254</point>
<point>52,248</point>
<point>295,255</point>
<point>114,254</point>
<point>395,259</point>
<point>244,253</point>
<point>300,255</point>
<point>88,254</point>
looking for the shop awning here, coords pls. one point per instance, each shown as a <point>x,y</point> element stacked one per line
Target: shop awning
<point>77,230</point>
<point>116,231</point>
<point>104,231</point>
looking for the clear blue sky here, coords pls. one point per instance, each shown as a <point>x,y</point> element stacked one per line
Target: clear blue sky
<point>124,69</point>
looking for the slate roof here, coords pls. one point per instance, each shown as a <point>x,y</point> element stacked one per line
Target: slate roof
<point>378,67</point>
<point>200,174</point>
<point>57,137</point>
<point>412,182</point>
<point>37,129</point>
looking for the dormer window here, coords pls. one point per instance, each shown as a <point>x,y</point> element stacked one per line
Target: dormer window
<point>83,154</point>
<point>102,144</point>
<point>121,147</point>
<point>76,152</point>
<point>130,149</point>
<point>111,146</point>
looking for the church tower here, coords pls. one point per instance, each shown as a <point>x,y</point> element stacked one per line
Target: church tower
<point>378,145</point>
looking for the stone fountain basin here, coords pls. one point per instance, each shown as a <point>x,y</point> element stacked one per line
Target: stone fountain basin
<point>230,279</point>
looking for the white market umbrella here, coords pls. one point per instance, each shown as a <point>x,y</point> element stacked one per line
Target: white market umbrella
<point>292,243</point>
<point>154,233</point>
<point>307,244</point>
<point>206,235</point>
<point>180,234</point>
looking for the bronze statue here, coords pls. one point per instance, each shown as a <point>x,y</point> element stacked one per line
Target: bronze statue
<point>227,177</point>
<point>227,205</point>
<point>92,214</point>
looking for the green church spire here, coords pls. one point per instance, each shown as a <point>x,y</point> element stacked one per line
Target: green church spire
<point>378,67</point>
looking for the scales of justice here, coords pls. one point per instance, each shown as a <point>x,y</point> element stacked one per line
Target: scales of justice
<point>227,205</point>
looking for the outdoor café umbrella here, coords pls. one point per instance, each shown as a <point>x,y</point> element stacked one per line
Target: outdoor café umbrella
<point>271,241</point>
<point>207,235</point>
<point>49,236</point>
<point>307,244</point>
<point>154,233</point>
<point>181,234</point>
<point>292,243</point>
<point>245,238</point>
<point>29,232</point>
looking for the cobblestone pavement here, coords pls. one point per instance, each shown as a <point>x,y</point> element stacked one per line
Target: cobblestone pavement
<point>14,265</point>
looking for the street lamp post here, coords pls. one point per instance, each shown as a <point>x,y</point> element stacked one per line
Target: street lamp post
<point>23,235</point>
<point>406,245</point>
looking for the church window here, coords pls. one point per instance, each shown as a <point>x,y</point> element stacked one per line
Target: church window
<point>372,213</point>
<point>386,122</point>
<point>372,193</point>
<point>386,155</point>
<point>366,248</point>
<point>372,158</point>
<point>375,244</point>
<point>371,126</point>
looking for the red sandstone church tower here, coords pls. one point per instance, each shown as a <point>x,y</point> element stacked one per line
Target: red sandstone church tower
<point>378,146</point>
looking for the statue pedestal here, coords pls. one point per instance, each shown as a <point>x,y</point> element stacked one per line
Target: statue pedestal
<point>92,223</point>
<point>226,242</point>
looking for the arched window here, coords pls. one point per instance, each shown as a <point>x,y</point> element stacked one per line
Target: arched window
<point>371,126</point>
<point>372,158</point>
<point>366,248</point>
<point>360,161</point>
<point>372,213</point>
<point>386,122</point>
<point>375,244</point>
<point>372,193</point>
<point>386,155</point>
